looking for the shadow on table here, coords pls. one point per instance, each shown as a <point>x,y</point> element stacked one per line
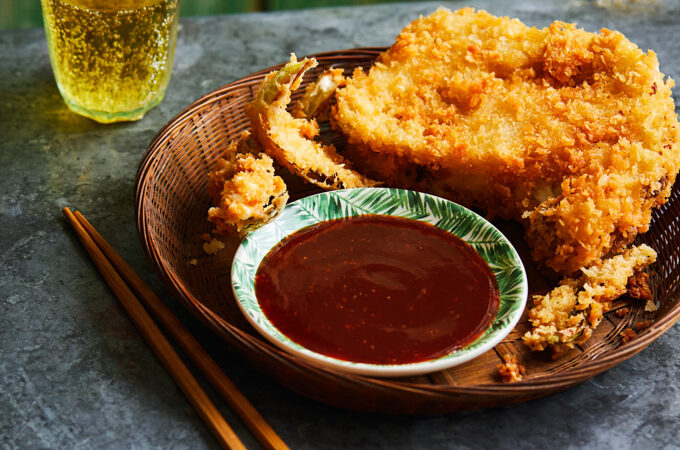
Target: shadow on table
<point>34,101</point>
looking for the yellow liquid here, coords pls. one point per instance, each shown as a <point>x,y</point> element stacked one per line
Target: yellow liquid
<point>111,59</point>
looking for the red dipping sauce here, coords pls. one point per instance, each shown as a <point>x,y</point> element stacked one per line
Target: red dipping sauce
<point>377,289</point>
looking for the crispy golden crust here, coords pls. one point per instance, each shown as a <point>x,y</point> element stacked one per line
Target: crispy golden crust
<point>510,370</point>
<point>245,189</point>
<point>568,314</point>
<point>572,132</point>
<point>290,140</point>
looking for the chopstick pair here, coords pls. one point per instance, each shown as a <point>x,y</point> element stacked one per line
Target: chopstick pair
<point>124,282</point>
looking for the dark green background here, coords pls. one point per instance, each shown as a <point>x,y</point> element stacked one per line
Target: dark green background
<point>27,13</point>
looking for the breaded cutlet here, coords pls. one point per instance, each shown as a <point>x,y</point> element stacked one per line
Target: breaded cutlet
<point>573,133</point>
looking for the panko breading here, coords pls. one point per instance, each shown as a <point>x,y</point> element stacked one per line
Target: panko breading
<point>289,140</point>
<point>511,370</point>
<point>568,314</point>
<point>572,132</point>
<point>245,189</point>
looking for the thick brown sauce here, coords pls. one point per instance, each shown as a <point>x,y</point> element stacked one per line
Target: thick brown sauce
<point>377,289</point>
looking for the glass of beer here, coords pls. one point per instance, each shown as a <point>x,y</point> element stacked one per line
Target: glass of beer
<point>111,59</point>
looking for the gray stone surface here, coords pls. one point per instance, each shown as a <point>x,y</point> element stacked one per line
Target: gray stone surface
<point>74,373</point>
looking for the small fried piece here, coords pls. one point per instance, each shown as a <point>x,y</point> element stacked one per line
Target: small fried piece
<point>638,286</point>
<point>212,247</point>
<point>289,140</point>
<point>511,370</point>
<point>246,190</point>
<point>568,314</point>
<point>622,312</point>
<point>639,326</point>
<point>627,335</point>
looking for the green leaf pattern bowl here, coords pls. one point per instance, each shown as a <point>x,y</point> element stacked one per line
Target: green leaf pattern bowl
<point>490,243</point>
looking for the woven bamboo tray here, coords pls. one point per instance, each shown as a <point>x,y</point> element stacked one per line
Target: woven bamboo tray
<point>171,205</point>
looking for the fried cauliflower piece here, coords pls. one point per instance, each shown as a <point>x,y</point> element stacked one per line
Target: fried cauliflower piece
<point>289,140</point>
<point>568,314</point>
<point>572,132</point>
<point>246,191</point>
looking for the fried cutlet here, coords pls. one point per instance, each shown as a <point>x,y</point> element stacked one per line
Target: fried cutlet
<point>571,132</point>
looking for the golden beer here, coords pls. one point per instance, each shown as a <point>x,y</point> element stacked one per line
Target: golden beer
<point>111,59</point>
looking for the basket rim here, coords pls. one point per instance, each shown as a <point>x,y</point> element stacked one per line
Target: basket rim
<point>548,383</point>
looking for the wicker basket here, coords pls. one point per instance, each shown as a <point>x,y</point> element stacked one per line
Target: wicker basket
<point>171,205</point>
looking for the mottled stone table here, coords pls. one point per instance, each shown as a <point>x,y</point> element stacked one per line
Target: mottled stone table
<point>74,373</point>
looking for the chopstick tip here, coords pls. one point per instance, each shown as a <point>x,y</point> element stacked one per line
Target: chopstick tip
<point>70,217</point>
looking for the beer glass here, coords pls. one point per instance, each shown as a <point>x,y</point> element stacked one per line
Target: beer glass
<point>111,59</point>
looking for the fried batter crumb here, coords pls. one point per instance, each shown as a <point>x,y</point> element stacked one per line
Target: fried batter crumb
<point>643,324</point>
<point>194,262</point>
<point>213,246</point>
<point>650,306</point>
<point>638,286</point>
<point>510,369</point>
<point>627,335</point>
<point>567,315</point>
<point>622,312</point>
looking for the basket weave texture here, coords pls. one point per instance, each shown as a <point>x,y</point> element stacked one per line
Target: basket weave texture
<point>171,205</point>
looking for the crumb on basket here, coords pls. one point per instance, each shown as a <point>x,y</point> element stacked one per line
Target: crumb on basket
<point>643,324</point>
<point>638,286</point>
<point>511,370</point>
<point>206,237</point>
<point>568,314</point>
<point>650,306</point>
<point>622,312</point>
<point>627,334</point>
<point>193,262</point>
<point>213,246</point>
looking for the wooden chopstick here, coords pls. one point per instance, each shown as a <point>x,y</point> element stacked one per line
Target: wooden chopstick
<point>154,337</point>
<point>189,345</point>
